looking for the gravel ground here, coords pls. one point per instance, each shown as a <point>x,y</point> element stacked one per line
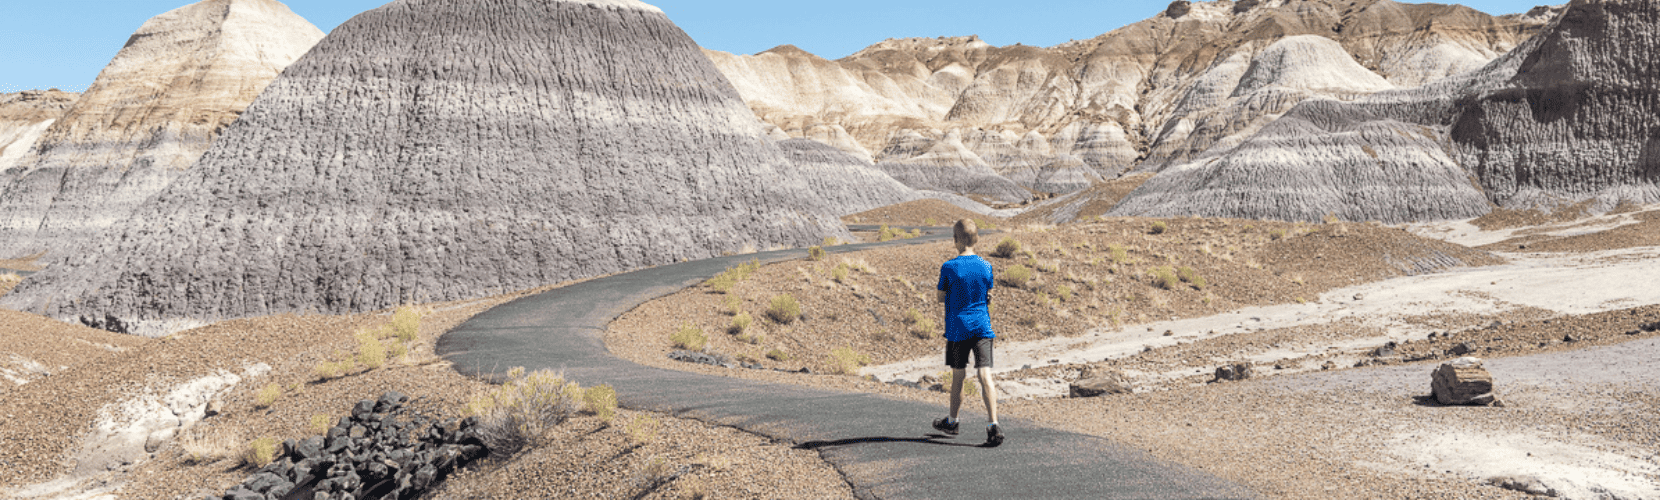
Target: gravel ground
<point>45,419</point>
<point>1313,427</point>
<point>1096,200</point>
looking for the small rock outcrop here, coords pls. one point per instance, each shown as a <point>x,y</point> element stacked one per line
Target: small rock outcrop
<point>1463,382</point>
<point>381,451</point>
<point>534,142</point>
<point>1099,386</point>
<point>1233,373</point>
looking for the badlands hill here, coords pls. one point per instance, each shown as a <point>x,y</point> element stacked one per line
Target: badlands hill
<point>24,116</point>
<point>1566,118</point>
<point>1149,95</point>
<point>182,78</point>
<point>434,150</point>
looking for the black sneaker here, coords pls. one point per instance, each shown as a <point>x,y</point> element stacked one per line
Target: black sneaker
<point>994,435</point>
<point>946,427</point>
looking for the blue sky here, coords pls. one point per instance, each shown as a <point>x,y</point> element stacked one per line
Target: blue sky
<point>64,43</point>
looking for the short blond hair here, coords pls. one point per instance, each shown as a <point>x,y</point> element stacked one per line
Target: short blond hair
<point>965,233</point>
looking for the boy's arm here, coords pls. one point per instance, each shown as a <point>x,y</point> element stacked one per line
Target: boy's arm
<point>942,295</point>
<point>942,286</point>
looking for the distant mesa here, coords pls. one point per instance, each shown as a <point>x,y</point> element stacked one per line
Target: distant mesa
<point>182,77</point>
<point>439,150</point>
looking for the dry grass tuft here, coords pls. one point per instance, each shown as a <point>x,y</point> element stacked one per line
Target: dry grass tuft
<point>740,323</point>
<point>260,452</point>
<point>1006,249</point>
<point>815,253</point>
<point>1192,277</point>
<point>371,353</point>
<point>601,401</point>
<point>268,395</point>
<point>777,355</point>
<point>1016,276</point>
<point>642,429</point>
<point>846,361</point>
<point>784,309</point>
<point>1164,277</point>
<point>689,337</point>
<point>320,424</point>
<point>209,447</point>
<point>724,282</point>
<point>1159,227</point>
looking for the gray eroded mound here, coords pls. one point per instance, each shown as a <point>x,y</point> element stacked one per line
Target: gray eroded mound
<point>848,184</point>
<point>1580,120</point>
<point>1568,116</point>
<point>435,150</point>
<point>182,78</point>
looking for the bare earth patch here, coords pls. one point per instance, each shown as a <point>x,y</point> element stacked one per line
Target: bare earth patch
<point>926,212</point>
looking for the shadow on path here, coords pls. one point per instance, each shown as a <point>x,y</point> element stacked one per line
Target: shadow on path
<point>562,329</point>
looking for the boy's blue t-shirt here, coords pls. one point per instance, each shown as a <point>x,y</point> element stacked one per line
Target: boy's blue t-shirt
<point>965,280</point>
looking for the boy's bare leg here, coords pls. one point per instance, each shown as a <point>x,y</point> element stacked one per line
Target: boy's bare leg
<point>957,376</point>
<point>988,391</point>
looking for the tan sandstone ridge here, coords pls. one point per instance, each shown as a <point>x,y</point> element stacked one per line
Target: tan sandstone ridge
<point>1566,118</point>
<point>1148,95</point>
<point>24,116</point>
<point>182,78</point>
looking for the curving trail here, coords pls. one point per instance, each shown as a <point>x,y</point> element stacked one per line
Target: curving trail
<point>885,448</point>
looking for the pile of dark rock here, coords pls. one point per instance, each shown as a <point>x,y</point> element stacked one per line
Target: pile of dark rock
<point>712,359</point>
<point>381,451</point>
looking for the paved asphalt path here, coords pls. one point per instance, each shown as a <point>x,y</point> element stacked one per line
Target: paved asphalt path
<point>884,448</point>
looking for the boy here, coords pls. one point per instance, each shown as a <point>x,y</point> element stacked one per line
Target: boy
<point>965,288</point>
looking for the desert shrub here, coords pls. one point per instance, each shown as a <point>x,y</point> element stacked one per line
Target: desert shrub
<point>653,474</point>
<point>777,355</point>
<point>520,412</point>
<point>831,241</point>
<point>756,338</point>
<point>1164,277</point>
<point>846,361</point>
<point>985,225</point>
<point>930,221</point>
<point>839,273</point>
<point>784,309</point>
<point>268,395</point>
<point>1047,267</point>
<point>397,351</point>
<point>642,429</point>
<point>601,401</point>
<point>1006,248</point>
<point>1064,292</point>
<point>689,337</point>
<point>406,323</point>
<point>815,253</point>
<point>970,388</point>
<point>1192,277</point>
<point>371,353</point>
<point>320,424</point>
<point>912,316</point>
<point>341,365</point>
<point>1276,234</point>
<point>1159,227</point>
<point>733,304</point>
<point>724,281</point>
<point>888,234</point>
<point>260,452</point>
<point>741,322</point>
<point>1119,254</point>
<point>923,328</point>
<point>1016,276</point>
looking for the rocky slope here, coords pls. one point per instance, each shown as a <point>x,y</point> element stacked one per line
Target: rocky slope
<point>1565,118</point>
<point>435,150</point>
<point>1151,94</point>
<point>152,112</point>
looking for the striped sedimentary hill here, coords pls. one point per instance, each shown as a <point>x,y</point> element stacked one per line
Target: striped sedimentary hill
<point>152,112</point>
<point>433,150</point>
<point>847,183</point>
<point>1146,96</point>
<point>1569,116</point>
<point>24,116</point>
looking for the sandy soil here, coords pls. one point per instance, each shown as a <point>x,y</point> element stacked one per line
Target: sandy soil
<point>1084,205</point>
<point>1570,336</point>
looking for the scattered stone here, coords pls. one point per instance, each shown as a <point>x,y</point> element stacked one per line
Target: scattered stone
<point>1169,333</point>
<point>1570,338</point>
<point>1525,484</point>
<point>214,408</point>
<point>1385,351</point>
<point>702,358</point>
<point>1234,372</point>
<point>1360,296</point>
<point>1102,386</point>
<point>1463,382</point>
<point>1463,348</point>
<point>1329,365</point>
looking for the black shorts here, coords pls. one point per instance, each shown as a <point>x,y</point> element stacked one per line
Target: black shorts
<point>956,353</point>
